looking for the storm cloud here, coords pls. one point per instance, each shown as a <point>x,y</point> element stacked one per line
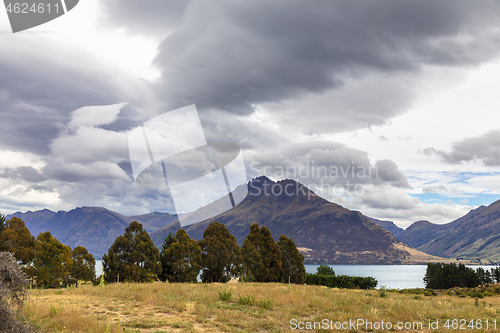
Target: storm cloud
<point>235,55</point>
<point>484,148</point>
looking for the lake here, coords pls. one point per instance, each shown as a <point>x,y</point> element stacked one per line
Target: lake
<point>389,276</point>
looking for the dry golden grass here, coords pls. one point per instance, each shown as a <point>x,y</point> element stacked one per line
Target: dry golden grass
<point>252,307</point>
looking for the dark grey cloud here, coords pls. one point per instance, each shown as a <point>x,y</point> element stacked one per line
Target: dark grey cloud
<point>325,163</point>
<point>40,85</point>
<point>234,55</point>
<point>484,148</point>
<point>157,17</point>
<point>26,173</point>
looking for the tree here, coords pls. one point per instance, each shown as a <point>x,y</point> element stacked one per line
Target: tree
<point>269,255</point>
<point>132,257</point>
<point>495,273</point>
<point>444,276</point>
<point>220,254</point>
<point>325,270</point>
<point>17,239</point>
<point>83,265</point>
<point>252,263</point>
<point>183,259</point>
<point>52,261</point>
<point>484,276</point>
<point>292,260</point>
<point>2,223</point>
<point>169,239</point>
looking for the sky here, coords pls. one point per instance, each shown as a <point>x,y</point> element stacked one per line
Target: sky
<point>387,107</point>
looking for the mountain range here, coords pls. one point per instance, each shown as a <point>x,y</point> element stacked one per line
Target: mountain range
<point>475,235</point>
<point>323,231</point>
<point>95,228</point>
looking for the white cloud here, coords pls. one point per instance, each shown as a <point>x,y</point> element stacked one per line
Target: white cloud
<point>95,115</point>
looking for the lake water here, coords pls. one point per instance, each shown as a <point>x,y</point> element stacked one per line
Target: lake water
<point>389,276</point>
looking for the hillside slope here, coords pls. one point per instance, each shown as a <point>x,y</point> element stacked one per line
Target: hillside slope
<point>324,231</point>
<point>473,236</point>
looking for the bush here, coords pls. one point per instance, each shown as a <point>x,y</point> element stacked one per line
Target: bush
<point>225,295</point>
<point>266,303</point>
<point>12,294</point>
<point>382,292</point>
<point>342,281</point>
<point>247,300</point>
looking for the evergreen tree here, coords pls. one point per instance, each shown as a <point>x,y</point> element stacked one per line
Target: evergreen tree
<point>220,254</point>
<point>444,276</point>
<point>483,276</point>
<point>271,257</point>
<point>183,259</point>
<point>17,239</point>
<point>132,257</point>
<point>252,263</point>
<point>83,265</point>
<point>261,255</point>
<point>325,270</point>
<point>495,274</point>
<point>2,223</point>
<point>167,242</point>
<point>165,267</point>
<point>52,261</point>
<point>292,260</point>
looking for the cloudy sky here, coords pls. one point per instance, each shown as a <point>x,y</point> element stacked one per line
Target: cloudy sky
<point>388,107</point>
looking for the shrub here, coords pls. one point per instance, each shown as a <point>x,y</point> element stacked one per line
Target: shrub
<point>341,281</point>
<point>12,294</point>
<point>247,300</point>
<point>225,295</point>
<point>266,303</point>
<point>382,292</point>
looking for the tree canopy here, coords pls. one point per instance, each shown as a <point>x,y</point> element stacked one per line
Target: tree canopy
<point>444,276</point>
<point>132,257</point>
<point>165,266</point>
<point>220,254</point>
<point>325,270</point>
<point>183,259</point>
<point>2,222</point>
<point>52,261</point>
<point>261,255</point>
<point>17,239</point>
<point>292,260</point>
<point>83,265</point>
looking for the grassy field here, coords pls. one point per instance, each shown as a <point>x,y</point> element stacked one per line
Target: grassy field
<point>250,307</point>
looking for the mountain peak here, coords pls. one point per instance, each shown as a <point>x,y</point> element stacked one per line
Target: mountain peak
<point>263,186</point>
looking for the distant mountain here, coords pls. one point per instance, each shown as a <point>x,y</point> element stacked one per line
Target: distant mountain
<point>389,226</point>
<point>95,228</point>
<point>324,232</point>
<point>422,232</point>
<point>473,236</point>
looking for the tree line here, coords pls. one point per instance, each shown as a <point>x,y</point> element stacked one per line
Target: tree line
<point>44,259</point>
<point>134,258</point>
<point>445,276</point>
<point>217,256</point>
